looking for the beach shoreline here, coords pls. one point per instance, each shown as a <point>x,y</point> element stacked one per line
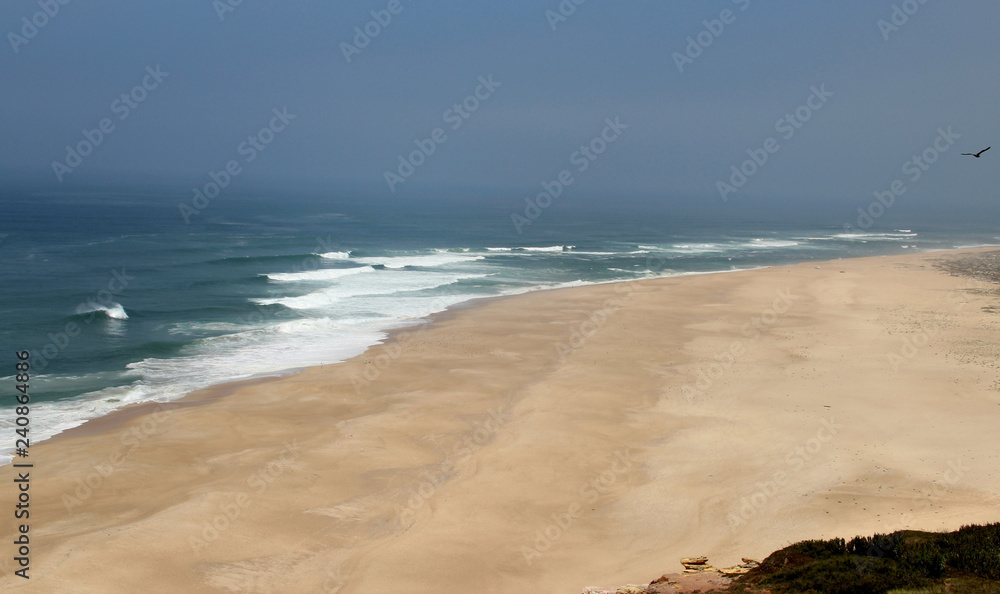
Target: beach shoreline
<point>213,392</point>
<point>553,439</point>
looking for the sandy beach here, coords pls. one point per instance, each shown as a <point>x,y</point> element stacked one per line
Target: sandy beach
<point>550,441</point>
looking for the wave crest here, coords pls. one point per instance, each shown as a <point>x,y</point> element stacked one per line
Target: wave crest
<point>113,311</point>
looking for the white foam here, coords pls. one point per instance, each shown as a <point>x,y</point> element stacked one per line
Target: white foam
<point>318,275</point>
<point>552,248</point>
<point>255,353</point>
<point>522,249</point>
<point>336,255</point>
<point>202,327</point>
<point>974,245</point>
<point>732,246</point>
<point>697,248</point>
<point>390,309</point>
<point>115,311</point>
<point>388,282</point>
<point>265,351</point>
<point>426,261</point>
<point>54,417</point>
<point>771,243</point>
<point>354,313</point>
<point>865,237</point>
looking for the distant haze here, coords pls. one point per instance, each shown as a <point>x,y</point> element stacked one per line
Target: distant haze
<point>699,87</point>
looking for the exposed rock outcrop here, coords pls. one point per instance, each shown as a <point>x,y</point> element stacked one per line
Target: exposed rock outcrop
<point>697,576</point>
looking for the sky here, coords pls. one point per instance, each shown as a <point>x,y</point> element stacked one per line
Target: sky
<point>682,92</point>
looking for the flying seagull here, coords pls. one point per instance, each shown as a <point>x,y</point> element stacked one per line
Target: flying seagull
<point>976,155</point>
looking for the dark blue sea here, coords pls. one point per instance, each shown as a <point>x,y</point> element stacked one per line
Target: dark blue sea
<point>120,300</point>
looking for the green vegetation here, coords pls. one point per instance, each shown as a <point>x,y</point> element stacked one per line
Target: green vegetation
<point>905,562</point>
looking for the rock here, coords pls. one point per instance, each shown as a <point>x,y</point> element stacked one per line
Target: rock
<point>698,576</point>
<point>696,565</point>
<point>630,589</point>
<point>740,569</point>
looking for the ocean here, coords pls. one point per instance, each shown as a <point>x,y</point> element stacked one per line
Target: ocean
<point>121,301</point>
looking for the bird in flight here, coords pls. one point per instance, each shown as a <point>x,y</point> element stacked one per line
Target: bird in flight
<point>976,155</point>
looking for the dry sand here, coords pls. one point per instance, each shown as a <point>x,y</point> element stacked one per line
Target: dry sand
<point>550,441</point>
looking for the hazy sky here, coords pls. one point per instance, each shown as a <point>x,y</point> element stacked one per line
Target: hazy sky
<point>227,68</point>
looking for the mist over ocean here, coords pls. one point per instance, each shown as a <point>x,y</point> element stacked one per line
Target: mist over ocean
<point>121,301</point>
